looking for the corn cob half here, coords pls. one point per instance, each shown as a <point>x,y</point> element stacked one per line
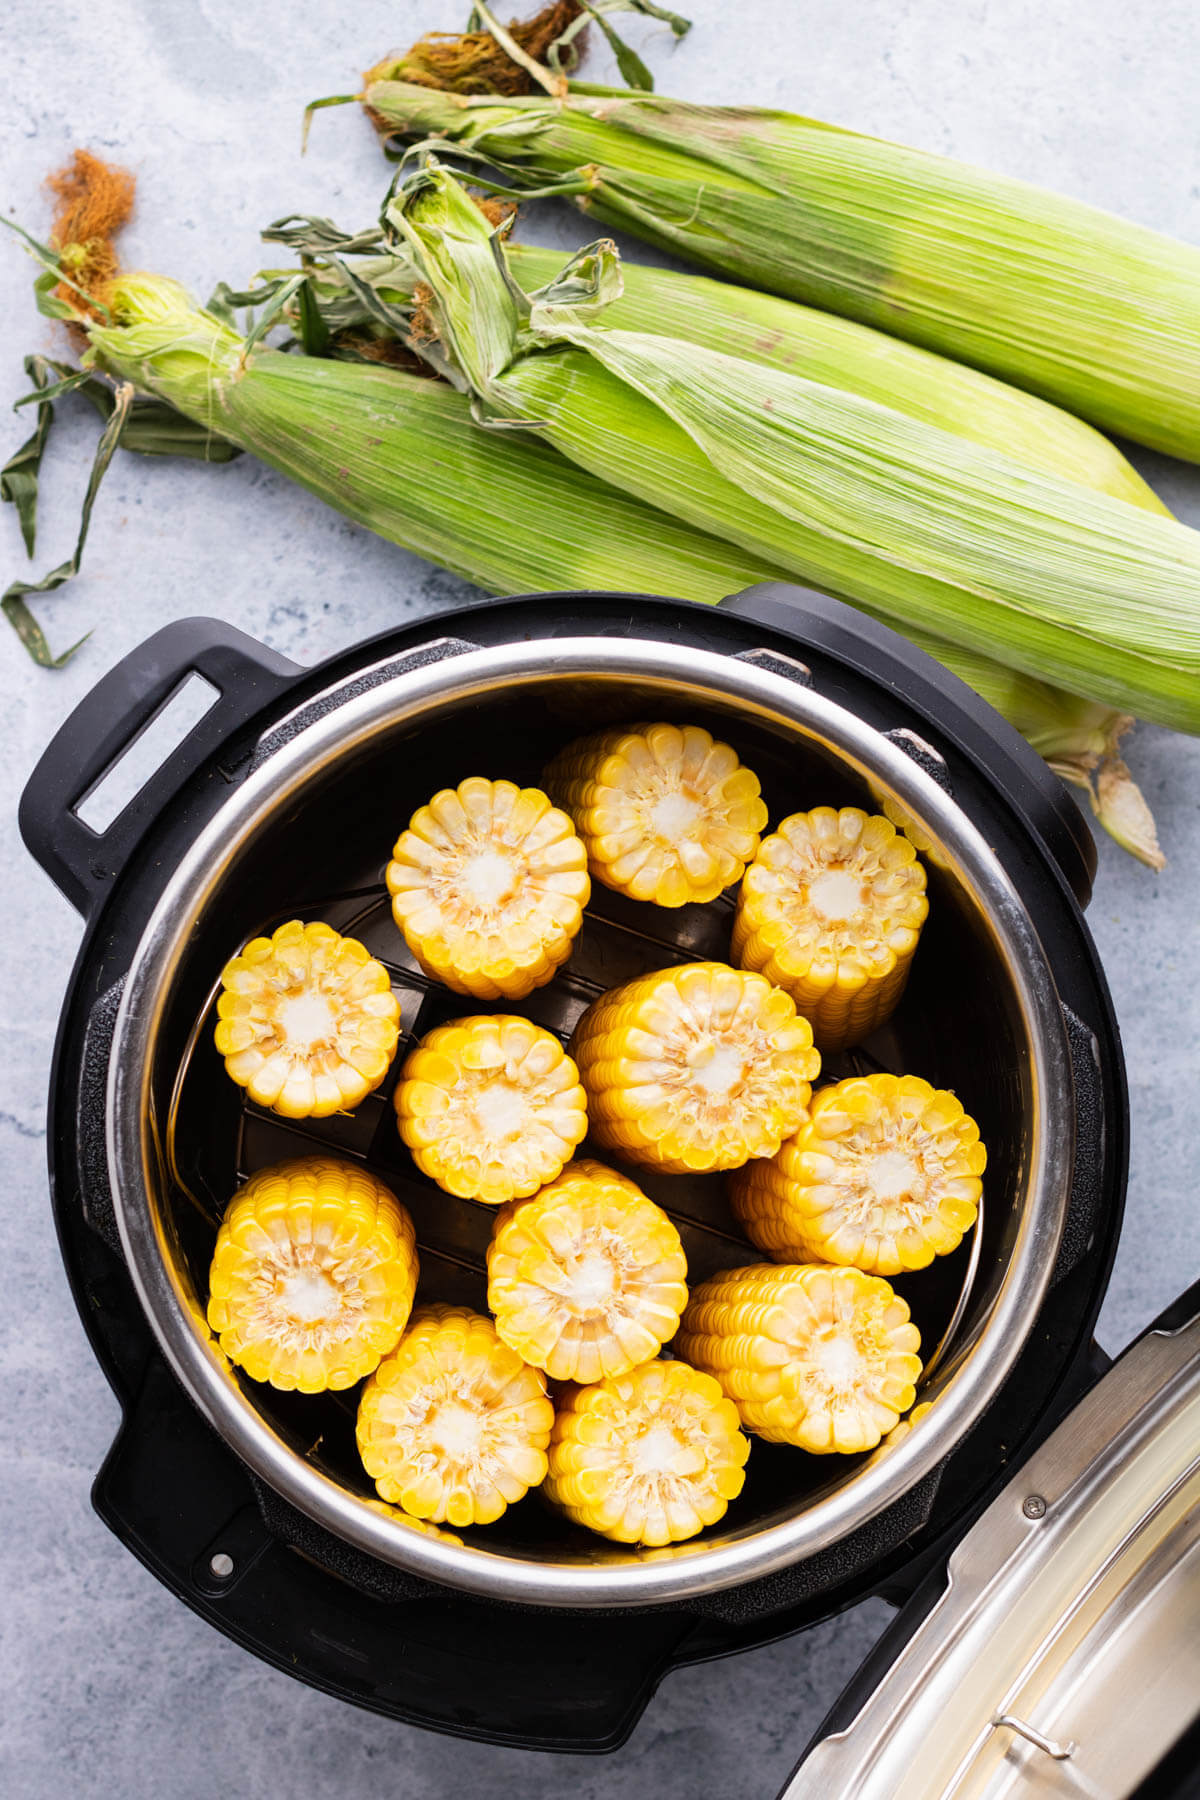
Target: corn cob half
<point>831,910</point>
<point>648,1457</point>
<point>694,1068</point>
<point>883,1176</point>
<point>307,1021</point>
<point>822,1358</point>
<point>588,1278</point>
<point>491,1107</point>
<point>666,813</point>
<point>453,1426</point>
<point>488,885</point>
<point>313,1275</point>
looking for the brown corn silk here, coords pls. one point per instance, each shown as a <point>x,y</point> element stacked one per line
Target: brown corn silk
<point>94,201</point>
<point>473,62</point>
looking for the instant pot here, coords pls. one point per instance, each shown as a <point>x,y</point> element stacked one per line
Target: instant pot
<point>284,801</point>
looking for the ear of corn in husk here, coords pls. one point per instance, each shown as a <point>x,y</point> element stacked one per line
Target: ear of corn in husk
<point>695,1068</point>
<point>401,455</point>
<point>762,328</point>
<point>863,500</point>
<point>490,1107</point>
<point>398,453</point>
<point>883,1176</point>
<point>831,910</point>
<point>313,1274</point>
<point>488,885</point>
<point>587,1278</point>
<point>307,1021</point>
<point>649,1457</point>
<point>1098,314</point>
<point>453,1426</point>
<point>1078,737</point>
<point>823,1358</point>
<point>666,814</point>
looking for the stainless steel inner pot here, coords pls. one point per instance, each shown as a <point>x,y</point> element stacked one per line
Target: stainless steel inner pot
<point>307,834</point>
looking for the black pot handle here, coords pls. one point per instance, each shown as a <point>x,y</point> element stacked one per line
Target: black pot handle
<point>957,713</point>
<point>104,725</point>
<point>175,1494</point>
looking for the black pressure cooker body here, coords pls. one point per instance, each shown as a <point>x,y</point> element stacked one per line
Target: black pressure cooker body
<point>375,1629</point>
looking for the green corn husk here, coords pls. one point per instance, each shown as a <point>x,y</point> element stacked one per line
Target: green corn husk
<point>1078,738</point>
<point>403,456</point>
<point>957,540</point>
<point>1089,310</point>
<point>719,316</point>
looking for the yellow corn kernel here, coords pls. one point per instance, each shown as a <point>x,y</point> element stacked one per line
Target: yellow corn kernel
<point>667,814</point>
<point>313,1276</point>
<point>648,1457</point>
<point>308,1023</point>
<point>453,1426</point>
<point>831,909</point>
<point>491,1107</point>
<point>883,1176</point>
<point>910,1422</point>
<point>818,1357</point>
<point>488,885</point>
<point>400,1517</point>
<point>589,1277</point>
<point>693,1068</point>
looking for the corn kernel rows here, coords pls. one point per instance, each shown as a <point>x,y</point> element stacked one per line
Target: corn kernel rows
<point>490,1107</point>
<point>488,886</point>
<point>667,814</point>
<point>831,911</point>
<point>825,1358</point>
<point>695,1068</point>
<point>884,1175</point>
<point>588,1278</point>
<point>705,1046</point>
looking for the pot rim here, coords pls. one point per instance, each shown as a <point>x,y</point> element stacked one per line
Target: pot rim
<point>965,1385</point>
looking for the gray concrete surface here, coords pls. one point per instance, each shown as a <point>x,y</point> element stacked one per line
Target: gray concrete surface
<point>110,1686</point>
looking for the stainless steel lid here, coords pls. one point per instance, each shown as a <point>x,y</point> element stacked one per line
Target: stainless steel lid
<point>1064,1657</point>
